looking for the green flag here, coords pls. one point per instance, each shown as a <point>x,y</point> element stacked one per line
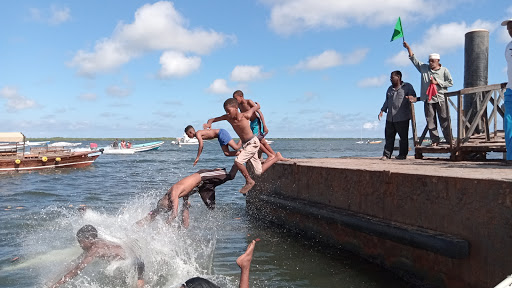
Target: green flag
<point>398,33</point>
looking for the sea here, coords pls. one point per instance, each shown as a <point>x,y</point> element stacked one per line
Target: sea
<point>40,215</point>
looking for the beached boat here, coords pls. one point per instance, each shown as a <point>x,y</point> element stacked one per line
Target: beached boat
<point>185,140</point>
<point>25,158</point>
<point>135,148</point>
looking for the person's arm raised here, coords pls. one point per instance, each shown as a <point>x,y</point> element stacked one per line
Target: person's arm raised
<point>247,114</point>
<point>208,124</point>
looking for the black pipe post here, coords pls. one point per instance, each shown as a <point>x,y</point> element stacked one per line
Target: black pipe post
<point>476,64</point>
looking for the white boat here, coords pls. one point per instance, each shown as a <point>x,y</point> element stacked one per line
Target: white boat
<point>185,140</point>
<point>135,148</point>
<point>64,144</point>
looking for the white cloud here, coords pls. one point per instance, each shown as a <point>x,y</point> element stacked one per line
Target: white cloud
<point>292,16</point>
<point>59,15</point>
<point>242,73</point>
<point>219,86</point>
<point>176,64</point>
<point>371,125</point>
<point>54,15</point>
<point>441,39</point>
<point>157,27</point>
<point>88,97</point>
<point>15,101</point>
<point>117,91</point>
<point>331,58</point>
<point>503,35</point>
<point>377,81</point>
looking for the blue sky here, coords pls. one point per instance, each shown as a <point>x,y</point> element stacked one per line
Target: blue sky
<point>132,69</point>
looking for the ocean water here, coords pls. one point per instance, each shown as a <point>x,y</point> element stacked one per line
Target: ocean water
<point>39,219</point>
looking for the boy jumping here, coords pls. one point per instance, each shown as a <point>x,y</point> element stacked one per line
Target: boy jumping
<point>250,143</point>
<point>222,135</point>
<point>205,180</point>
<point>257,122</point>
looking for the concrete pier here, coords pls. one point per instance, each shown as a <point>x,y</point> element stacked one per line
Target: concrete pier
<point>434,223</point>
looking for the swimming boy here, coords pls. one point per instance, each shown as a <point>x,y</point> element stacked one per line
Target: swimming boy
<point>95,247</point>
<point>222,135</point>
<point>244,262</point>
<point>205,180</point>
<point>257,122</point>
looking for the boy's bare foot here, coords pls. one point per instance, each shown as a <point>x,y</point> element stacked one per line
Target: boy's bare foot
<point>247,187</point>
<point>280,157</point>
<point>244,261</point>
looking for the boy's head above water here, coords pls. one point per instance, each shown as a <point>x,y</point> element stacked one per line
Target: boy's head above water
<point>86,235</point>
<point>190,131</point>
<point>231,106</point>
<point>238,95</point>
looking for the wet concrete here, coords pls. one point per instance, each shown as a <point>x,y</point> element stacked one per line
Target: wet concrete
<point>434,222</point>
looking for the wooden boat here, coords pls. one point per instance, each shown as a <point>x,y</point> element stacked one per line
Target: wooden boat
<point>39,158</point>
<point>135,148</point>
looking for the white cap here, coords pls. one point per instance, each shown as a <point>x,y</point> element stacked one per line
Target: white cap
<point>504,23</point>
<point>434,56</point>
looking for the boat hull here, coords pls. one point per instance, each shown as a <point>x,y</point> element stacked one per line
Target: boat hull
<point>135,148</point>
<point>32,162</point>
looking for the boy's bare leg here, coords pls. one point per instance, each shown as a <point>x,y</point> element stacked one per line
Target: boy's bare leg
<point>271,161</point>
<point>267,146</point>
<point>244,262</point>
<point>265,150</point>
<point>248,180</point>
<point>140,283</point>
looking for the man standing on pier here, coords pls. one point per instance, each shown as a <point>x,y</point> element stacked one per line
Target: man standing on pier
<point>398,109</point>
<point>434,73</point>
<point>507,118</point>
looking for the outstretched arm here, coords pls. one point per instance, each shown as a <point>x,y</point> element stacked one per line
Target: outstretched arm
<point>76,270</point>
<point>199,136</point>
<point>208,124</point>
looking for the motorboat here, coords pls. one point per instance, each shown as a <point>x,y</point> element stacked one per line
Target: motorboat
<point>28,158</point>
<point>134,149</point>
<point>185,140</point>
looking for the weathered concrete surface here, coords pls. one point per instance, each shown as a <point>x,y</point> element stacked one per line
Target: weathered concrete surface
<point>466,201</point>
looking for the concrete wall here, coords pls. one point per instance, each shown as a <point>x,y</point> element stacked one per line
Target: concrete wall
<point>440,231</point>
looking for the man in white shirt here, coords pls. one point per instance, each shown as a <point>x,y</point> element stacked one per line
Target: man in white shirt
<point>507,119</point>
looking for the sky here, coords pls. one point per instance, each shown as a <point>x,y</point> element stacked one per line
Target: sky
<point>135,69</point>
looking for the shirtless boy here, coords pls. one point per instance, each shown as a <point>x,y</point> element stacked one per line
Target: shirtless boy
<point>250,143</point>
<point>95,247</point>
<point>222,135</point>
<point>257,120</point>
<point>244,262</point>
<point>205,180</point>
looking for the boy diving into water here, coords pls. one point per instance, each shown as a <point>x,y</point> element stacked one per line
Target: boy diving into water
<point>95,247</point>
<point>222,135</point>
<point>205,180</point>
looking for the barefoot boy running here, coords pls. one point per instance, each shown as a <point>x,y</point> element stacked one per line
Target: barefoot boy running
<point>222,135</point>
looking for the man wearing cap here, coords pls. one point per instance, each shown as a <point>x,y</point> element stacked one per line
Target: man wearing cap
<point>438,75</point>
<point>507,118</point>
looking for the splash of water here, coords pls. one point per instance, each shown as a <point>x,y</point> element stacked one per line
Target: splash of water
<point>171,254</point>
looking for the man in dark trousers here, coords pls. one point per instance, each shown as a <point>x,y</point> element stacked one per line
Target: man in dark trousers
<point>398,108</point>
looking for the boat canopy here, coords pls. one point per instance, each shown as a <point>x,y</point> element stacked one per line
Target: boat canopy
<point>12,137</point>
